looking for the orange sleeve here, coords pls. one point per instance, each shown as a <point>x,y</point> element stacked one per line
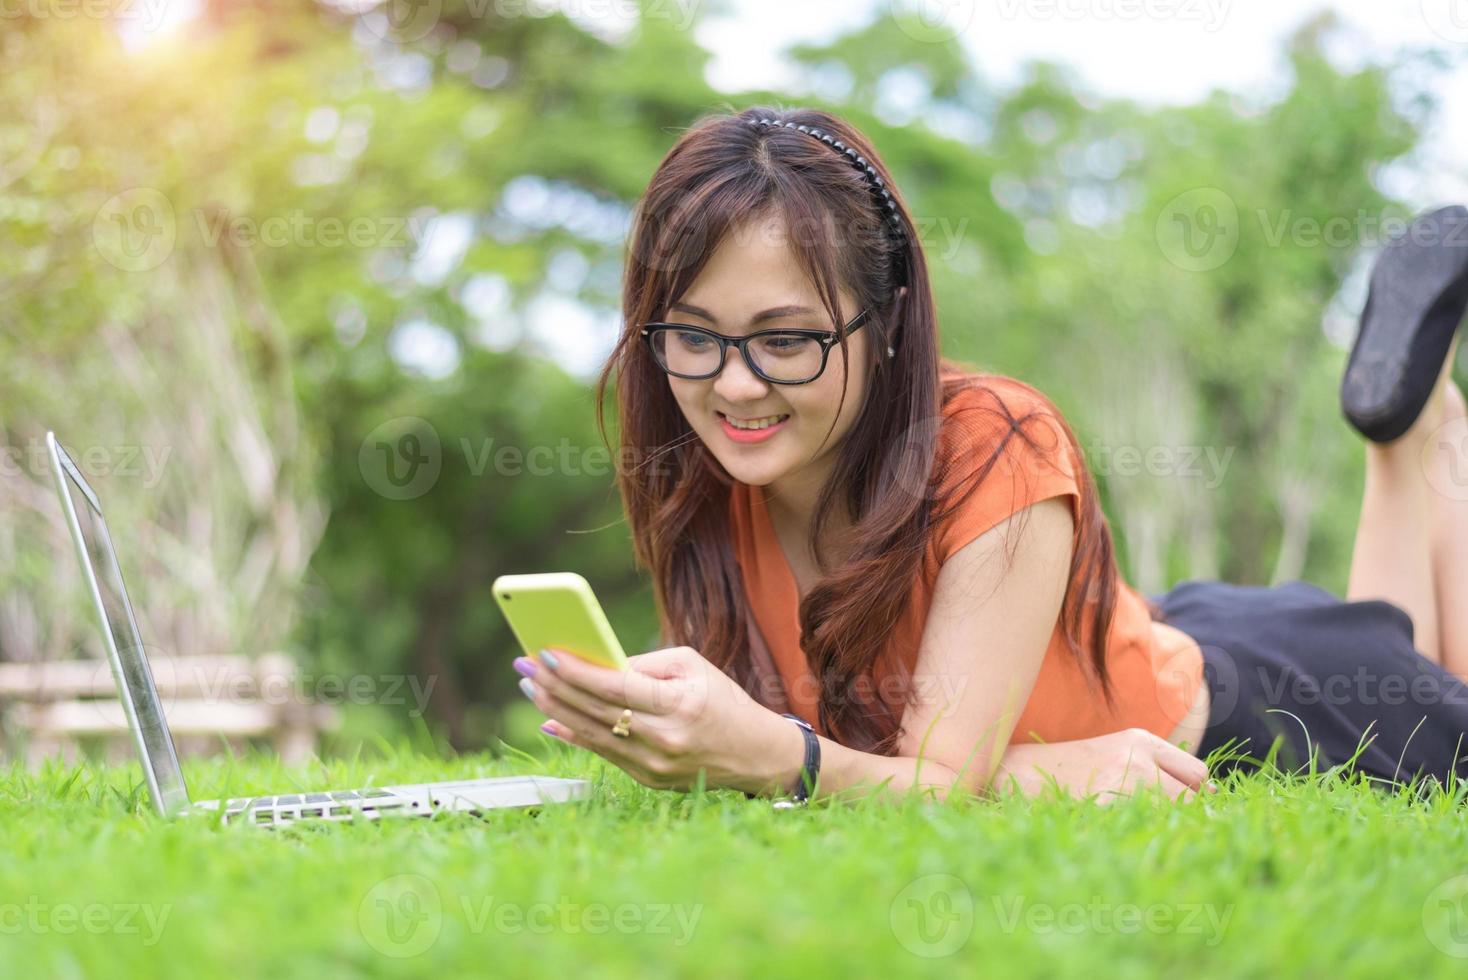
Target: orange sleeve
<point>1025,472</point>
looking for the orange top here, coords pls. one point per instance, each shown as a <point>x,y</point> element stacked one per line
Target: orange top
<point>1155,669</point>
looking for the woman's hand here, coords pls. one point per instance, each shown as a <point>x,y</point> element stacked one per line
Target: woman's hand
<point>687,716</point>
<point>1107,766</point>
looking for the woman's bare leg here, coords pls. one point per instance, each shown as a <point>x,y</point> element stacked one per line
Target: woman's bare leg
<point>1447,465</point>
<point>1394,556</point>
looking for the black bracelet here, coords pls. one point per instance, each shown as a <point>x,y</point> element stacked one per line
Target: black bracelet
<point>810,768</point>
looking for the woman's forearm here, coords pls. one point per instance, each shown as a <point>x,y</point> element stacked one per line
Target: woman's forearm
<point>1025,767</point>
<point>853,774</point>
<point>844,771</point>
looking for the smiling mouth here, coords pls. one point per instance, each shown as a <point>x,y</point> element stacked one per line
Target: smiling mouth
<point>755,424</point>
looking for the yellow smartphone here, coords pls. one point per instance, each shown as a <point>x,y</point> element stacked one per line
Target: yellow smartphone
<point>558,609</point>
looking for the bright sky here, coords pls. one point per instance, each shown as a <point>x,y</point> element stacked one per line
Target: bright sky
<point>1155,51</point>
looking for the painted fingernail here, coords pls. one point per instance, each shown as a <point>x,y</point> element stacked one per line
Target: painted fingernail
<point>525,666</point>
<point>527,688</point>
<point>1212,786</point>
<point>550,660</point>
<point>549,729</point>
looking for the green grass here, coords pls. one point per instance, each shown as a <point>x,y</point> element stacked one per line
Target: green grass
<point>1271,877</point>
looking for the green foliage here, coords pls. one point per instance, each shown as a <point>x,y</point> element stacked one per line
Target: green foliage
<point>314,171</point>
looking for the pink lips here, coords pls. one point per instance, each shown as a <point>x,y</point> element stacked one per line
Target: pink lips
<point>751,435</point>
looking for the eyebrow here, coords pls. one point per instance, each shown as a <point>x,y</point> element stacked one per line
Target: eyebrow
<point>773,313</point>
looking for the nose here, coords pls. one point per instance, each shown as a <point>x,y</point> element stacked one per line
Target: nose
<point>737,384</point>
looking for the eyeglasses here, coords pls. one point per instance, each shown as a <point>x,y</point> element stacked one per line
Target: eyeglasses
<point>782,357</point>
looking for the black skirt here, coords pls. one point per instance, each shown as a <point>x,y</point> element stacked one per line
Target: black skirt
<point>1296,665</point>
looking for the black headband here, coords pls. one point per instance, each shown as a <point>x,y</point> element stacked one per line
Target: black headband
<point>893,220</point>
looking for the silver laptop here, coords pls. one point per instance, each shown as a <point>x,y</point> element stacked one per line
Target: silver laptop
<point>150,731</point>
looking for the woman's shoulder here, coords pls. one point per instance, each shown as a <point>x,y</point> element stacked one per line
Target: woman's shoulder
<point>1003,446</point>
<point>983,404</point>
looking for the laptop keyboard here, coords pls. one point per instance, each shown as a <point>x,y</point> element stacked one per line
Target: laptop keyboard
<point>289,806</point>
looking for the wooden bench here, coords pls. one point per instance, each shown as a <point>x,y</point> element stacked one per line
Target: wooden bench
<point>51,707</point>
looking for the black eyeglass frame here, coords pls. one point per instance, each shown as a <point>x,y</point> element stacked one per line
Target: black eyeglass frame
<point>826,338</point>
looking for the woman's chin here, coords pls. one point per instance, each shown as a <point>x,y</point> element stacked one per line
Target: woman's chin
<point>754,473</point>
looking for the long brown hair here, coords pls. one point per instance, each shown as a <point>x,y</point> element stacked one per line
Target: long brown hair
<point>721,174</point>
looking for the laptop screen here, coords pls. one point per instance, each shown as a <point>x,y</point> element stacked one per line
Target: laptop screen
<point>130,664</point>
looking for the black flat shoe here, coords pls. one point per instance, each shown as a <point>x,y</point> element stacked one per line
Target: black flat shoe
<point>1419,290</point>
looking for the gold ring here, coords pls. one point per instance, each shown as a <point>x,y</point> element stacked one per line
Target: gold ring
<point>622,728</point>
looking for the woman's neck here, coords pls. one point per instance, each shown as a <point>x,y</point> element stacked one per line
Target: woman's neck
<point>791,504</point>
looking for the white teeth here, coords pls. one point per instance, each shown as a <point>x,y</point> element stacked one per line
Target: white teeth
<point>763,423</point>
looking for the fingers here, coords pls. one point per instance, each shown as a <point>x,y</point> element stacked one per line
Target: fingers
<point>631,688</point>
<point>563,692</point>
<point>1158,780</point>
<point>589,732</point>
<point>670,662</point>
<point>1183,766</point>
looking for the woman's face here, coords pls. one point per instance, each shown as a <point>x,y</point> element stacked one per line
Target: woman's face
<point>754,272</point>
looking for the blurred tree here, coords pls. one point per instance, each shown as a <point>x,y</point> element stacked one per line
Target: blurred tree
<point>317,241</point>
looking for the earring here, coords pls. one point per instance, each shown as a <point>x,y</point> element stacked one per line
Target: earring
<point>890,351</point>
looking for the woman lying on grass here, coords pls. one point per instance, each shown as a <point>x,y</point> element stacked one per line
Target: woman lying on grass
<point>909,555</point>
